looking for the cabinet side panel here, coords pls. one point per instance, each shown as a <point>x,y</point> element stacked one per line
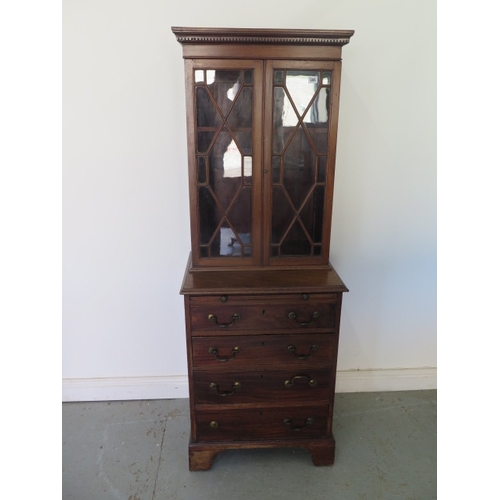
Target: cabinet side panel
<point>191,149</point>
<point>332,154</point>
<point>189,350</point>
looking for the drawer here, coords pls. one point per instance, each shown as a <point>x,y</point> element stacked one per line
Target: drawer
<point>217,300</point>
<point>234,387</point>
<point>315,350</point>
<point>243,316</point>
<point>264,423</point>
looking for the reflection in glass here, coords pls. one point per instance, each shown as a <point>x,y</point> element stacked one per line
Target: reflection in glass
<point>247,169</point>
<point>302,87</point>
<point>231,162</point>
<point>199,75</point>
<point>284,120</point>
<point>224,129</point>
<point>210,76</point>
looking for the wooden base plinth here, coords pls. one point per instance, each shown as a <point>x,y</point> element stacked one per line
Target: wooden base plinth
<point>202,455</point>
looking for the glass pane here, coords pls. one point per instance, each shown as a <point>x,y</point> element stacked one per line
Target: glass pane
<point>299,168</point>
<point>318,111</point>
<point>232,245</point>
<point>248,76</point>
<point>321,168</point>
<point>208,119</point>
<point>206,112</point>
<point>224,88</point>
<point>299,161</point>
<point>247,169</point>
<point>316,120</point>
<point>318,211</point>
<point>284,121</point>
<point>232,161</point>
<point>241,113</point>
<point>240,215</point>
<point>312,214</point>
<point>202,170</point>
<point>210,76</point>
<point>276,162</point>
<point>283,214</point>
<point>224,168</point>
<point>199,76</point>
<point>296,242</point>
<point>240,120</point>
<point>302,86</point>
<point>204,141</point>
<point>223,100</point>
<point>210,215</point>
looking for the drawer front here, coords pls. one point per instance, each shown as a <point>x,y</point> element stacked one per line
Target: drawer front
<point>251,351</point>
<point>234,387</point>
<point>271,298</point>
<point>255,424</point>
<point>220,319</point>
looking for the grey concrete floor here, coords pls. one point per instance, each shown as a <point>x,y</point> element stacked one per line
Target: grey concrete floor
<point>137,450</point>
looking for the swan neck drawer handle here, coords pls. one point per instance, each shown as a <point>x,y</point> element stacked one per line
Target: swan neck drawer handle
<point>293,350</point>
<point>235,317</point>
<point>215,352</point>
<point>293,316</point>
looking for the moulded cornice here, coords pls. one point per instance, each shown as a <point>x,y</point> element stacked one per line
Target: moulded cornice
<point>262,36</point>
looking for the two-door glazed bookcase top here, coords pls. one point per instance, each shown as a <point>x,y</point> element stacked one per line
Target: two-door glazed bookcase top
<point>262,302</point>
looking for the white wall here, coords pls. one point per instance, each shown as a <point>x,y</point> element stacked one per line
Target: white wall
<point>125,191</point>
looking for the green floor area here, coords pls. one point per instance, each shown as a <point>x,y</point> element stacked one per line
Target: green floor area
<point>137,450</point>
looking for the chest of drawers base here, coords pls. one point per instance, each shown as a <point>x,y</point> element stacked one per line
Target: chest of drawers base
<point>202,455</point>
<point>262,361</point>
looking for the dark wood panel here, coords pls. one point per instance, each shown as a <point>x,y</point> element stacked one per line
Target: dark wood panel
<point>261,281</point>
<point>258,300</point>
<point>298,316</point>
<point>274,351</point>
<point>306,422</point>
<point>202,455</point>
<point>236,387</point>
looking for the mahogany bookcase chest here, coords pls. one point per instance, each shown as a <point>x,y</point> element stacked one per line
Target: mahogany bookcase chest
<point>262,301</point>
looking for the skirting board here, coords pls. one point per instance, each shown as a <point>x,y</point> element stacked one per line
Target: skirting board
<point>172,387</point>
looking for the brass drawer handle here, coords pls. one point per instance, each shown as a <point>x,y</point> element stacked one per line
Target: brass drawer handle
<point>215,387</point>
<point>289,423</point>
<point>214,424</point>
<point>235,317</point>
<point>293,316</point>
<point>312,382</point>
<point>215,352</point>
<point>293,350</point>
